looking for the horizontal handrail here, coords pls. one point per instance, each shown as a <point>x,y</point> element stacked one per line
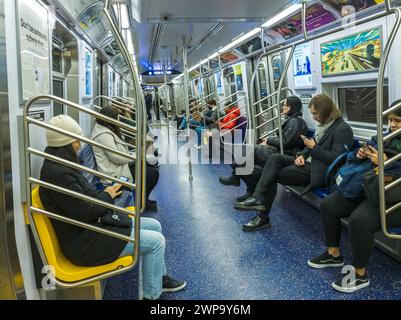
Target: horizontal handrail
<point>268,109</point>
<point>117,104</point>
<point>393,208</point>
<point>132,128</point>
<point>81,138</point>
<point>268,134</point>
<point>392,160</point>
<point>243,92</point>
<point>80,196</point>
<point>267,122</point>
<point>232,129</point>
<point>392,135</point>
<point>393,184</point>
<point>234,103</point>
<point>272,95</point>
<point>78,167</point>
<point>82,224</point>
<point>239,117</point>
<point>392,109</point>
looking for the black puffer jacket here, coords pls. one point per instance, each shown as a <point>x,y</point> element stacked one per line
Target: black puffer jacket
<point>292,129</point>
<point>81,246</point>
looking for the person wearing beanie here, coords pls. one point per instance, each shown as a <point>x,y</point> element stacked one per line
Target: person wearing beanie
<point>64,122</point>
<point>113,165</point>
<point>89,248</point>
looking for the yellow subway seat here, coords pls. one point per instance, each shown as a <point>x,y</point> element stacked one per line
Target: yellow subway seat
<point>64,269</point>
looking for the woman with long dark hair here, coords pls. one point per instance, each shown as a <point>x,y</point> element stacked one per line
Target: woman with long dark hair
<point>109,163</point>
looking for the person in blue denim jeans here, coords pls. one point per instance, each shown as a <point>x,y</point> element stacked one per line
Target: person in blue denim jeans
<point>152,245</point>
<point>88,248</point>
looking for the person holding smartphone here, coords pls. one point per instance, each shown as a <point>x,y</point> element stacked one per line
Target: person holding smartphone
<point>111,164</point>
<point>364,219</point>
<point>84,247</point>
<point>307,168</point>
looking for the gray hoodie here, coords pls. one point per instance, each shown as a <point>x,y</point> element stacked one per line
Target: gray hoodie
<point>107,162</point>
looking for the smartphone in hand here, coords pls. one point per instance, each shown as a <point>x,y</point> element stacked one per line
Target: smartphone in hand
<point>364,145</point>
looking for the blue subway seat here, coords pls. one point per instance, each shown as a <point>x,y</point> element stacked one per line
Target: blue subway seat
<point>321,192</point>
<point>396,231</point>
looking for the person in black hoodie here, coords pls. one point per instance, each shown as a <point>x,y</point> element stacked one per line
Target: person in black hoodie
<point>293,127</point>
<point>88,248</point>
<point>332,136</point>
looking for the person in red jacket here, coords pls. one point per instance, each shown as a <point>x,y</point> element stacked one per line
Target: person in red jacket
<point>232,112</point>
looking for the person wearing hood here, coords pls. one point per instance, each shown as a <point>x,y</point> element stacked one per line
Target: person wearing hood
<point>293,126</point>
<point>84,247</point>
<point>111,164</point>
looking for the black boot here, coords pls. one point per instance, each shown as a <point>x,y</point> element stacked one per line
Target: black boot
<point>243,197</point>
<point>230,181</point>
<point>257,223</point>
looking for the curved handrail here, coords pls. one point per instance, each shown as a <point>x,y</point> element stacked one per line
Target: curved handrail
<point>30,181</point>
<point>380,124</point>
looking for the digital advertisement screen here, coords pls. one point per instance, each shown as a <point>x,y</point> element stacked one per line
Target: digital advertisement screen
<point>353,54</point>
<point>302,66</point>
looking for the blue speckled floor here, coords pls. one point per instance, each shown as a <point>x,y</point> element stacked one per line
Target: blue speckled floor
<point>207,248</point>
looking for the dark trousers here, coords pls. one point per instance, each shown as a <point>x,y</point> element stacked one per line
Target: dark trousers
<point>260,155</point>
<point>148,113</point>
<point>279,169</point>
<point>363,223</point>
<point>152,177</point>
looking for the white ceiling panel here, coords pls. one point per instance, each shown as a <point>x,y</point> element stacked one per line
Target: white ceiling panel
<point>151,11</point>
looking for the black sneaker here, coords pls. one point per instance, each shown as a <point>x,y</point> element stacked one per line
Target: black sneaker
<point>172,285</point>
<point>360,282</point>
<point>151,205</point>
<point>230,181</point>
<point>326,260</point>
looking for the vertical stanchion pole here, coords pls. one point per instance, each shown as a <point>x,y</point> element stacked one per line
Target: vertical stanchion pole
<point>280,86</point>
<point>186,101</point>
<point>168,105</point>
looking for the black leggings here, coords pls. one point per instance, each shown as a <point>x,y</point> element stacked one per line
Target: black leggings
<point>364,221</point>
<point>152,177</point>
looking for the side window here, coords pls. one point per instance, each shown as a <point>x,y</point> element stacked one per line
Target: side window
<point>358,104</point>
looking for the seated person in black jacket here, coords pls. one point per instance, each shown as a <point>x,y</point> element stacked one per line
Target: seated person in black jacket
<point>89,248</point>
<point>364,217</point>
<point>210,115</point>
<point>293,126</point>
<point>332,135</point>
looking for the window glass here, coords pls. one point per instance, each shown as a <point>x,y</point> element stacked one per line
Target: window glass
<point>359,104</point>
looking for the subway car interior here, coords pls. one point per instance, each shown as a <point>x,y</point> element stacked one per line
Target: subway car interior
<point>200,150</point>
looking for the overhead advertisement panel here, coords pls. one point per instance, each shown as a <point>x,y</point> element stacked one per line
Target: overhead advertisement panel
<point>302,62</point>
